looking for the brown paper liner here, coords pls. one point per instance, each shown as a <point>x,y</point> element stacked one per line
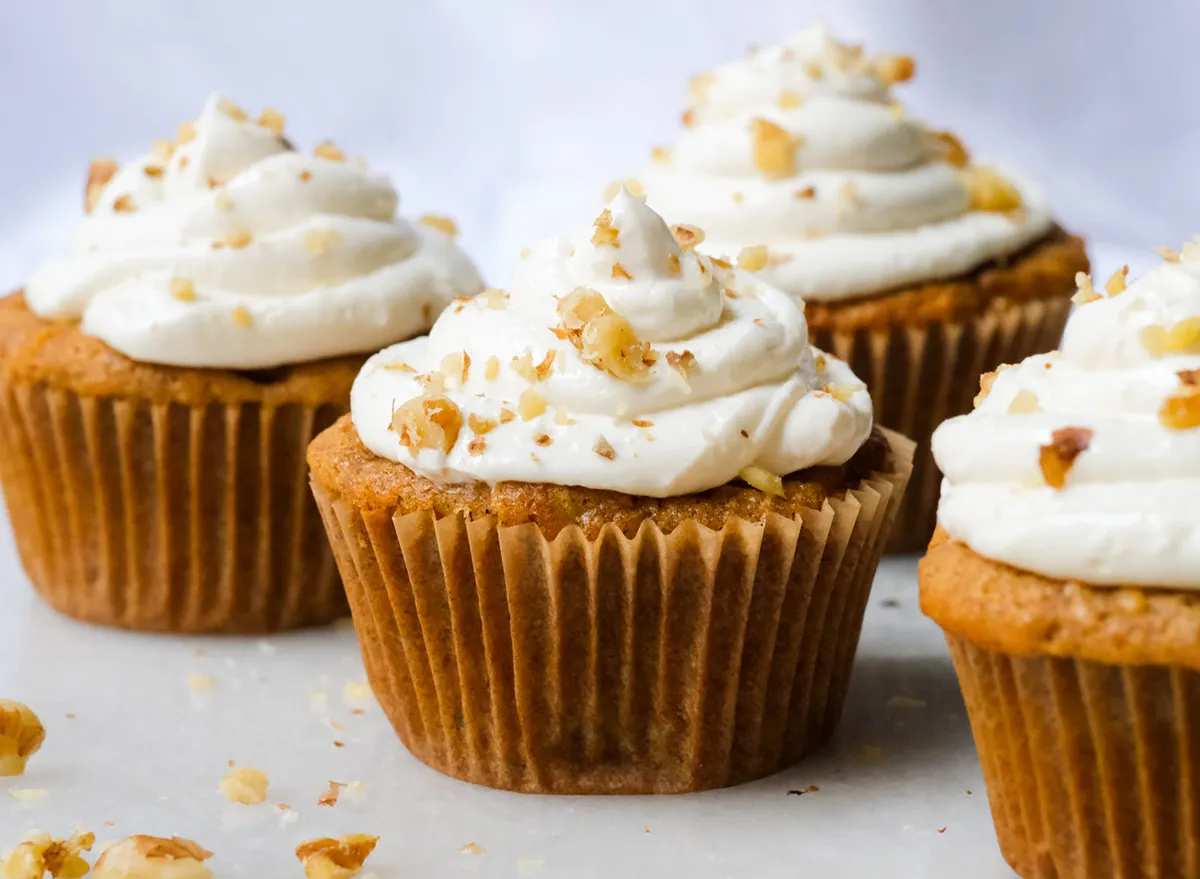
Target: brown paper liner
<point>1091,769</point>
<point>920,376</point>
<point>167,517</point>
<point>661,663</point>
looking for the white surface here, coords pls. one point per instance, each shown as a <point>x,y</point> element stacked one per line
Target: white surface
<point>146,752</point>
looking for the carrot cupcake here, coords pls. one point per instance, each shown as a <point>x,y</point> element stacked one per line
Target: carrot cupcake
<point>160,380</point>
<point>1066,575</point>
<point>611,531</point>
<point>920,268</point>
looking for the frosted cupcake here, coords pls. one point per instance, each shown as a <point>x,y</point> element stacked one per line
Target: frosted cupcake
<point>919,268</point>
<point>1066,574</point>
<point>160,380</point>
<point>613,530</point>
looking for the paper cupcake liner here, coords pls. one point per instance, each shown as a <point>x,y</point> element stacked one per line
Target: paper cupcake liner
<point>661,663</point>
<point>920,376</point>
<point>167,517</point>
<point>1091,769</point>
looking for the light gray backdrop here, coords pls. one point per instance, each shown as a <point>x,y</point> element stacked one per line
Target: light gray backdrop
<point>513,115</point>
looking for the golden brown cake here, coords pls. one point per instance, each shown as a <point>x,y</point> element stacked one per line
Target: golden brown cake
<point>161,379</point>
<point>1066,576</point>
<point>918,267</point>
<point>593,550</point>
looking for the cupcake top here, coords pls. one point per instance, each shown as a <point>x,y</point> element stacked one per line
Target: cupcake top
<point>227,248</point>
<point>1085,464</point>
<point>800,154</point>
<point>620,359</point>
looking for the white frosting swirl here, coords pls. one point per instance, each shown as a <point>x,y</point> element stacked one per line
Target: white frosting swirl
<point>869,205</point>
<point>756,393</point>
<point>1128,512</point>
<point>290,257</point>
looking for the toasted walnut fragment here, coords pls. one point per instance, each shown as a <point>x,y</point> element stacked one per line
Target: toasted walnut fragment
<point>673,265</point>
<point>606,233</point>
<point>428,422</point>
<point>952,149</point>
<point>721,263</point>
<point>814,71</point>
<point>619,272</point>
<point>1087,292</point>
<point>153,171</point>
<point>774,149</point>
<point>329,150</point>
<point>245,785</point>
<point>842,393</point>
<point>542,439</point>
<point>603,448</point>
<point>436,221</point>
<point>1167,253</point>
<point>688,118</point>
<point>699,85</point>
<point>1181,411</point>
<point>491,369</point>
<point>604,339</point>
<point>688,237</point>
<point>241,316</point>
<point>893,69</point>
<point>317,241</point>
<point>660,155</point>
<point>472,848</point>
<point>762,479</point>
<point>522,365</point>
<point>1182,338</point>
<point>21,735</point>
<point>152,857</point>
<point>1115,284</point>
<point>123,204</point>
<point>100,171</point>
<point>632,186</point>
<point>682,362</point>
<point>480,425</point>
<point>330,797</point>
<point>39,854</point>
<point>1024,402</point>
<point>788,100</point>
<point>232,110</point>
<point>507,415</point>
<point>456,366</point>
<point>162,150</point>
<point>272,120</point>
<point>497,300</point>
<point>753,258</point>
<point>986,381</point>
<point>988,191</point>
<point>340,858</point>
<point>530,404</point>
<point>305,176</point>
<point>476,447</point>
<point>1058,456</point>
<point>542,371</point>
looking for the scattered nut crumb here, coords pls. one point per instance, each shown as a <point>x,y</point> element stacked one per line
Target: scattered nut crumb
<point>603,448</point>
<point>604,339</point>
<point>807,193</point>
<point>619,272</point>
<point>687,237</point>
<point>1116,281</point>
<point>530,404</point>
<point>330,797</point>
<point>100,172</point>
<point>788,100</point>
<point>811,789</point>
<point>988,191</point>
<point>28,794</point>
<point>842,393</point>
<point>1024,402</point>
<point>359,691</point>
<point>952,149</point>
<point>1087,292</point>
<point>660,155</point>
<point>317,241</point>
<point>1182,338</point>
<point>491,368</point>
<point>441,223</point>
<point>329,150</point>
<point>340,858</point>
<point>21,735</point>
<point>762,479</point>
<point>1058,456</point>
<point>245,785</point>
<point>241,316</point>
<point>199,683</point>
<point>472,848</point>
<point>124,204</point>
<point>606,233</point>
<point>152,856</point>
<point>1181,411</point>
<point>39,854</point>
<point>497,300</point>
<point>272,120</point>
<point>1167,253</point>
<point>774,149</point>
<point>426,422</point>
<point>753,258</point>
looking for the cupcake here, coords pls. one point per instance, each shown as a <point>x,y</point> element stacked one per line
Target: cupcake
<point>613,530</point>
<point>1066,575</point>
<point>160,380</point>
<point>919,268</point>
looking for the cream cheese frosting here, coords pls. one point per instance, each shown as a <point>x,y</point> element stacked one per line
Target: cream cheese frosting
<point>801,148</point>
<point>618,360</point>
<point>1085,464</point>
<point>230,249</point>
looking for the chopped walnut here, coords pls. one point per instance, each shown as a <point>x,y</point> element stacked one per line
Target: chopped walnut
<point>232,110</point>
<point>753,258</point>
<point>788,100</point>
<point>272,120</point>
<point>842,393</point>
<point>480,425</point>
<point>619,272</point>
<point>152,857</point>
<point>1167,253</point>
<point>163,150</point>
<point>1116,281</point>
<point>330,797</point>
<point>688,118</point>
<point>682,362</point>
<point>542,370</point>
<point>153,171</point>
<point>737,197</point>
<point>123,204</point>
<point>699,85</point>
<point>530,404</point>
<point>182,289</point>
<point>507,415</point>
<point>606,233</point>
<point>39,854</point>
<point>476,447</point>
<point>491,369</point>
<point>542,439</point>
<point>522,365</point>
<point>1024,402</point>
<point>814,71</point>
<point>561,417</point>
<point>21,735</point>
<point>605,339</point>
<point>1087,292</point>
<point>305,176</point>
<point>497,300</point>
<point>435,221</point>
<point>603,448</point>
<point>641,422</point>
<point>329,150</point>
<point>245,785</point>
<point>893,69</point>
<point>317,241</point>
<point>660,155</point>
<point>456,366</point>
<point>241,316</point>
<point>1058,456</point>
<point>986,381</point>
<point>807,193</point>
<point>472,848</point>
<point>1182,338</point>
<point>952,149</point>
<point>774,149</point>
<point>632,186</point>
<point>688,237</point>
<point>340,858</point>
<point>673,265</point>
<point>762,479</point>
<point>223,201</point>
<point>988,191</point>
<point>186,133</point>
<point>1181,411</point>
<point>428,422</point>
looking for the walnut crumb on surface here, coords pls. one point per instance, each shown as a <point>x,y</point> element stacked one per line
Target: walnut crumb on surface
<point>687,237</point>
<point>496,299</point>
<point>1058,456</point>
<point>439,222</point>
<point>604,339</point>
<point>340,858</point>
<point>530,404</point>
<point>21,735</point>
<point>988,191</point>
<point>842,393</point>
<point>682,362</point>
<point>123,204</point>
<point>40,853</point>
<point>619,272</point>
<point>1167,253</point>
<point>241,316</point>
<point>1087,292</point>
<point>1024,402</point>
<point>272,120</point>
<point>603,448</point>
<point>329,150</point>
<point>330,797</point>
<point>427,422</point>
<point>491,368</point>
<point>1182,338</point>
<point>472,848</point>
<point>605,234</point>
<point>951,148</point>
<point>1115,284</point>
<point>774,149</point>
<point>152,857</point>
<point>660,155</point>
<point>893,69</point>
<point>542,439</point>
<point>200,683</point>
<point>100,171</point>
<point>753,258</point>
<point>245,785</point>
<point>1181,410</point>
<point>762,479</point>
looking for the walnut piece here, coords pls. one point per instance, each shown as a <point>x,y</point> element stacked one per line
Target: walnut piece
<point>620,273</point>
<point>1116,281</point>
<point>40,854</point>
<point>100,171</point>
<point>329,150</point>
<point>272,120</point>
<point>603,448</point>
<point>952,149</point>
<point>1024,402</point>
<point>1182,338</point>
<point>530,404</point>
<point>606,233</point>
<point>604,339</point>
<point>436,221</point>
<point>1181,411</point>
<point>687,237</point>
<point>1087,291</point>
<point>21,734</point>
<point>340,858</point>
<point>245,785</point>
<point>152,857</point>
<point>774,149</point>
<point>762,479</point>
<point>1058,456</point>
<point>428,422</point>
<point>753,258</point>
<point>893,69</point>
<point>330,797</point>
<point>988,191</point>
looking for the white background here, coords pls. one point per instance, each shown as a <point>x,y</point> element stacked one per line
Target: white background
<point>513,115</point>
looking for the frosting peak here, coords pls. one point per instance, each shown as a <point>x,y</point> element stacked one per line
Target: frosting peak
<point>620,359</point>
<point>1085,464</point>
<point>227,248</point>
<point>801,148</point>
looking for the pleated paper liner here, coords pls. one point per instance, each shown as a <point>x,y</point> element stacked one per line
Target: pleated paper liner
<point>168,517</point>
<point>920,376</point>
<point>1091,769</point>
<point>661,663</point>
